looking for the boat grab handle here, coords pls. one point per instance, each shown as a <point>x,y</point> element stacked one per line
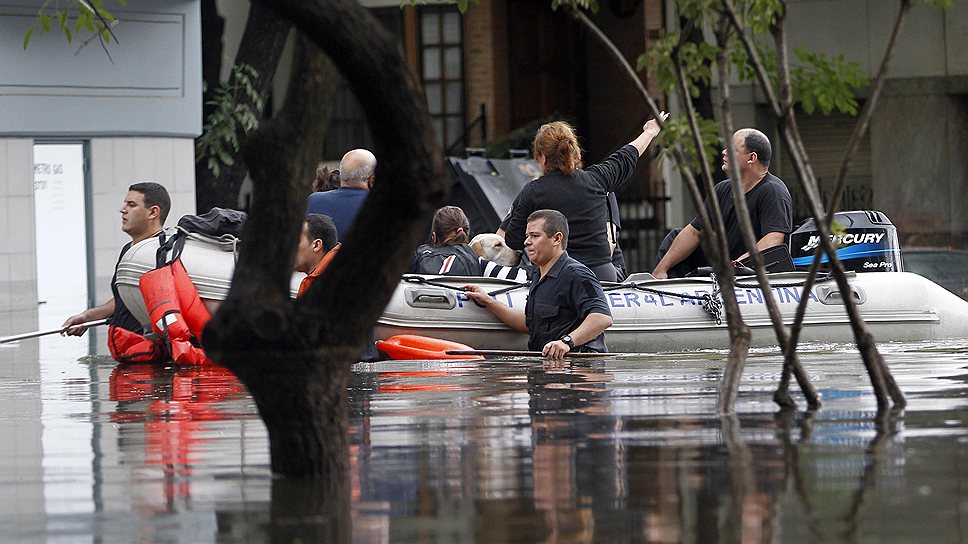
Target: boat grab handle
<point>422,297</point>
<point>830,294</point>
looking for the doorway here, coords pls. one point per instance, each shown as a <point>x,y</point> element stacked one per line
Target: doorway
<point>61,227</point>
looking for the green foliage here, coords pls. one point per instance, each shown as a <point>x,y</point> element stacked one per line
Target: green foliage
<point>676,131</point>
<point>820,83</point>
<point>700,12</point>
<point>462,5</point>
<point>838,229</point>
<point>79,17</point>
<point>826,83</point>
<point>743,67</point>
<point>760,15</point>
<point>696,59</point>
<point>237,104</point>
<point>590,5</point>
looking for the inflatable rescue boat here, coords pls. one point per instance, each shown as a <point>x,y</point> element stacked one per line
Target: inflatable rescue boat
<point>649,314</point>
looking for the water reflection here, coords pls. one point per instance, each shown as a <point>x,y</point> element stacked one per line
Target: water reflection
<point>624,450</point>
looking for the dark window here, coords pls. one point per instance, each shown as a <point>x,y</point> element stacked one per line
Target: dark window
<point>442,71</point>
<point>347,127</point>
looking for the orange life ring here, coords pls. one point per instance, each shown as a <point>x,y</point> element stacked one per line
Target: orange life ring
<point>412,347</point>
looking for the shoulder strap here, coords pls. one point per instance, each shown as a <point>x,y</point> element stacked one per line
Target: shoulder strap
<point>174,243</point>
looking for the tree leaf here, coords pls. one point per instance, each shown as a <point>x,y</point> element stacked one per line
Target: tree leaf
<point>28,36</point>
<point>44,22</point>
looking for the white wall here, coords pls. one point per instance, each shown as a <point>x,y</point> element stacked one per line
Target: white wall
<point>18,283</point>
<point>933,42</point>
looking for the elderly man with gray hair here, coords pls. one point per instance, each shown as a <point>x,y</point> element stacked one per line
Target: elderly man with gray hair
<point>343,204</point>
<point>768,199</point>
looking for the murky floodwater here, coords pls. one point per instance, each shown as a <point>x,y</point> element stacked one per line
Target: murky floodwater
<point>624,450</point>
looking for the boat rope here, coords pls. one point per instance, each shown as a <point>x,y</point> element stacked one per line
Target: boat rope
<point>819,279</point>
<point>711,302</point>
<point>425,281</point>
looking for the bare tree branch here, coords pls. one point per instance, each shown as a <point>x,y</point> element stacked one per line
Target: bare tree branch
<point>873,361</point>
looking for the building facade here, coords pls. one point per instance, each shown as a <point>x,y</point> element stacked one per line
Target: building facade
<point>78,125</point>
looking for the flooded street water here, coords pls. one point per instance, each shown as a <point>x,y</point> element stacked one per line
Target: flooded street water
<point>621,450</point>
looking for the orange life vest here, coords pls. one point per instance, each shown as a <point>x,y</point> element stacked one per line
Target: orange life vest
<point>130,347</point>
<point>320,268</point>
<point>176,312</point>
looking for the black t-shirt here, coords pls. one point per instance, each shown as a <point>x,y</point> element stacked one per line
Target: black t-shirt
<point>771,210</point>
<point>122,316</point>
<point>581,198</point>
<point>560,301</point>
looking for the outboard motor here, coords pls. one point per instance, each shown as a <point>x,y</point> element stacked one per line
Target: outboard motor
<point>866,241</point>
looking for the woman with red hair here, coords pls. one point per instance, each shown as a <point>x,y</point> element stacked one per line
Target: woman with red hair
<point>579,194</point>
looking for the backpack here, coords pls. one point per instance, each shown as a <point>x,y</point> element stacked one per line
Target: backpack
<point>457,260</point>
<point>215,222</point>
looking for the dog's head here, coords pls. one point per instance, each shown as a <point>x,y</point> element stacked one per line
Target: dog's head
<point>492,247</point>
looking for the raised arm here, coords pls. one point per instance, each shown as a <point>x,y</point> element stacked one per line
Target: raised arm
<point>649,131</point>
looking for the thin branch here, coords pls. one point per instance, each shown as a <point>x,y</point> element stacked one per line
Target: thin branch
<point>873,361</point>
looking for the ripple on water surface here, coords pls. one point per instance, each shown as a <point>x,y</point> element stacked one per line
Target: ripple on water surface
<point>628,449</point>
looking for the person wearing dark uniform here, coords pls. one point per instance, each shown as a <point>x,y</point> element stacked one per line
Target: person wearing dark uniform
<point>578,194</point>
<point>143,215</point>
<point>768,200</point>
<point>566,308</point>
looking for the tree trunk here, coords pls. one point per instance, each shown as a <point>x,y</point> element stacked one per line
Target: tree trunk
<point>781,396</point>
<point>295,356</point>
<point>261,46</point>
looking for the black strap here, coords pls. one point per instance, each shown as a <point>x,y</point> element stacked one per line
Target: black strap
<point>174,243</point>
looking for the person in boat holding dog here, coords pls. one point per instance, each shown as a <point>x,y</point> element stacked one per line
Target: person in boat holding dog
<point>768,199</point>
<point>317,247</point>
<point>449,253</point>
<point>579,194</point>
<point>566,308</point>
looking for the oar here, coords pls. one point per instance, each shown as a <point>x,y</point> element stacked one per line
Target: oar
<point>515,353</point>
<point>35,334</point>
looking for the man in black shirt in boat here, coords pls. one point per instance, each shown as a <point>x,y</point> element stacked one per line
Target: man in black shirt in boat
<point>566,308</point>
<point>768,199</point>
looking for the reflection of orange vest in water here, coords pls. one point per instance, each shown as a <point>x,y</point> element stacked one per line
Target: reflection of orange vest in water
<point>177,315</point>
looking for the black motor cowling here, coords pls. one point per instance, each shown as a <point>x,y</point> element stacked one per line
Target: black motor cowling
<point>866,241</point>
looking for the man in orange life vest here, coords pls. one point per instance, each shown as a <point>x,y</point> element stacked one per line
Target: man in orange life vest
<point>317,247</point>
<point>143,215</point>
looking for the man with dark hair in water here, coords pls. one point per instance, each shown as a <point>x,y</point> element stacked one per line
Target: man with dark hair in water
<point>143,215</point>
